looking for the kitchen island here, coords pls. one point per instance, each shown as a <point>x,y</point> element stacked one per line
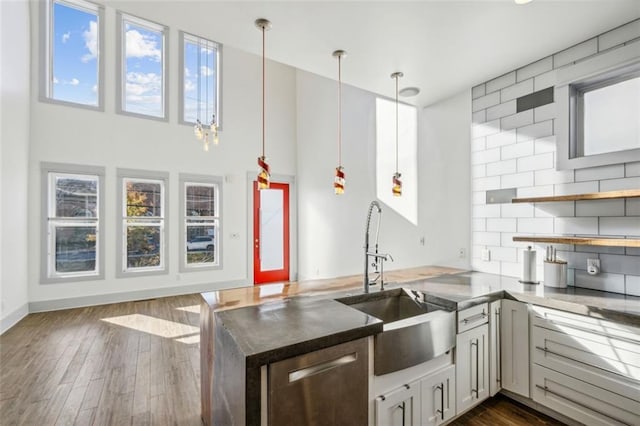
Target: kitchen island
<point>262,334</point>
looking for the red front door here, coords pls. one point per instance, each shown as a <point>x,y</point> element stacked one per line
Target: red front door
<point>271,233</point>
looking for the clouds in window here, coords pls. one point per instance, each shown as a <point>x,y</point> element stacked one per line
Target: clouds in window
<point>142,45</point>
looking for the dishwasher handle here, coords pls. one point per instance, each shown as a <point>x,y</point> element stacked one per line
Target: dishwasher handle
<point>303,373</point>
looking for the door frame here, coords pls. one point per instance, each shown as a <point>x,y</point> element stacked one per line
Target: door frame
<point>293,223</point>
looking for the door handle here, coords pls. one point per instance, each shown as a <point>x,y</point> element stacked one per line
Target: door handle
<point>440,387</point>
<point>499,346</point>
<point>477,367</point>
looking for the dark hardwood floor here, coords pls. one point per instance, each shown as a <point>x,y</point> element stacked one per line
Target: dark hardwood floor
<point>130,363</point>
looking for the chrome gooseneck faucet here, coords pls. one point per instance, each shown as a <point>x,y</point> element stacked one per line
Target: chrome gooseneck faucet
<point>378,257</point>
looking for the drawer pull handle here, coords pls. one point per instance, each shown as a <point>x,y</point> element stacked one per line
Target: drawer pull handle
<point>477,367</point>
<point>440,387</point>
<point>475,318</point>
<point>547,351</point>
<point>573,401</point>
<point>499,348</point>
<point>321,368</point>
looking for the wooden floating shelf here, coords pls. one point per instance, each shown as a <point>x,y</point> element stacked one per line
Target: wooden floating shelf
<point>581,241</point>
<point>627,193</point>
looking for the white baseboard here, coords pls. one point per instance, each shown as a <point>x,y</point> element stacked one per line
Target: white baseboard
<point>103,299</point>
<point>13,318</point>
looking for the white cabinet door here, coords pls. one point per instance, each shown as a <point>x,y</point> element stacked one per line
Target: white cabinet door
<point>400,407</point>
<point>472,367</point>
<point>495,348</point>
<point>438,397</point>
<point>514,324</point>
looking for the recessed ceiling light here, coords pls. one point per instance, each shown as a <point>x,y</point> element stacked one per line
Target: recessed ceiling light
<point>522,1</point>
<point>409,91</point>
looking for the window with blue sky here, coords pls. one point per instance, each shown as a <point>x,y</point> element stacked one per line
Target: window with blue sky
<point>143,67</point>
<point>74,52</point>
<point>200,64</point>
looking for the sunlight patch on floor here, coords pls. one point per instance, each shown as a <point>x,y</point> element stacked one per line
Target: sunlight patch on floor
<point>194,309</point>
<point>152,325</point>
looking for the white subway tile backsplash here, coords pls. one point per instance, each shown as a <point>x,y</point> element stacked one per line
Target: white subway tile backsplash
<point>536,191</point>
<point>575,188</point>
<point>478,171</point>
<point>486,267</point>
<point>520,119</point>
<point>485,101</point>
<point>603,172</point>
<point>632,285</point>
<point>486,238</point>
<point>486,156</point>
<point>501,225</point>
<point>633,206</point>
<point>574,259</point>
<point>538,225</point>
<point>535,162</point>
<point>478,91</point>
<point>618,264</point>
<point>542,81</point>
<point>531,70</point>
<point>556,209</point>
<point>619,35</point>
<point>548,144</point>
<point>576,225</point>
<point>520,89</point>
<point>632,251</point>
<point>535,131</point>
<point>602,281</point>
<point>575,53</point>
<point>500,139</point>
<point>504,254</point>
<point>517,210</point>
<point>600,250</point>
<point>545,112</point>
<point>501,167</point>
<point>517,150</point>
<point>478,144</point>
<point>484,129</point>
<point>500,82</point>
<point>479,116</point>
<point>479,197</point>
<point>501,110</point>
<point>479,225</point>
<point>600,208</point>
<point>506,240</point>
<point>632,169</point>
<point>617,184</point>
<point>511,269</point>
<point>516,180</point>
<point>548,177</point>
<point>487,210</point>
<point>486,183</point>
<point>628,226</point>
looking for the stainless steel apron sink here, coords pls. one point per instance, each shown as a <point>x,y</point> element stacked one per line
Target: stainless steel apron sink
<point>414,331</point>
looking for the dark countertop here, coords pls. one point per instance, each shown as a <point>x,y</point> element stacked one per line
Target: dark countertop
<point>290,327</point>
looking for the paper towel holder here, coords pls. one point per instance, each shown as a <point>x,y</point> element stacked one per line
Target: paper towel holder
<point>529,265</point>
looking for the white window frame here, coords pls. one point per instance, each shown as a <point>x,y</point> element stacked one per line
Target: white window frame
<point>200,180</point>
<point>606,67</point>
<point>46,51</point>
<point>184,37</point>
<point>124,176</point>
<point>49,171</point>
<point>121,61</point>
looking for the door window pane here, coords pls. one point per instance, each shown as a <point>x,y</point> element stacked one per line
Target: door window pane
<point>75,248</point>
<point>271,230</point>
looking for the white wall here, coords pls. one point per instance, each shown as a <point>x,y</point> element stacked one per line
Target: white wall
<point>14,152</point>
<point>331,228</point>
<point>80,136</point>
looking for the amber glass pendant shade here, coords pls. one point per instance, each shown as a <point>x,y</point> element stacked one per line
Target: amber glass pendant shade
<point>338,181</point>
<point>264,175</point>
<point>397,185</point>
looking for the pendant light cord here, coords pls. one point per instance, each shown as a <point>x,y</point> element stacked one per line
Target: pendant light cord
<point>396,124</point>
<point>263,91</point>
<point>340,110</point>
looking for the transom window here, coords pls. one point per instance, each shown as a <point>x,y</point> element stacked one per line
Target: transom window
<point>72,53</point>
<point>73,242</point>
<point>142,77</point>
<point>200,82</point>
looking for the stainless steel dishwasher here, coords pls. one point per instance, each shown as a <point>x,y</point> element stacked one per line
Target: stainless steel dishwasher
<point>325,387</point>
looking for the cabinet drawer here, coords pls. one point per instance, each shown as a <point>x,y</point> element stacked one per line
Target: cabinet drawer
<point>473,317</point>
<point>581,401</point>
<point>607,362</point>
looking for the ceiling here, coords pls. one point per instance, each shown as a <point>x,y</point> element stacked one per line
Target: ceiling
<point>442,47</point>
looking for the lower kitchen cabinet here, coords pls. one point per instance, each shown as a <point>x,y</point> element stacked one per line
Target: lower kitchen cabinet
<point>514,347</point>
<point>400,407</point>
<point>438,397</point>
<point>472,367</point>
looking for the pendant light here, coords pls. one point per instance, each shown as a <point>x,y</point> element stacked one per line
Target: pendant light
<point>205,132</point>
<point>397,183</point>
<point>264,175</point>
<point>338,181</point>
